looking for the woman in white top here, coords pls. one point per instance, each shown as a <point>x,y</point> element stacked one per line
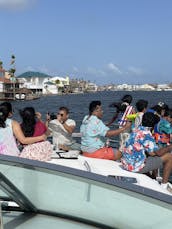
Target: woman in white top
<point>9,130</point>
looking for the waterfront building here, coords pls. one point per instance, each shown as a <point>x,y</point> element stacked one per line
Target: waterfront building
<point>42,83</point>
<point>9,86</point>
<point>91,87</point>
<point>61,83</point>
<point>33,81</point>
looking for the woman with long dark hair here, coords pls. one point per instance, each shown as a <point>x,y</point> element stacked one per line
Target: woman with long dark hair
<point>32,126</point>
<point>9,130</point>
<point>31,122</point>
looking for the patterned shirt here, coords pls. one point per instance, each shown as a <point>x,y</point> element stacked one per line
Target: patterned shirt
<point>93,132</point>
<point>139,143</point>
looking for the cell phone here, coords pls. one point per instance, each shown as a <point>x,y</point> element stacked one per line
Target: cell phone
<point>124,179</point>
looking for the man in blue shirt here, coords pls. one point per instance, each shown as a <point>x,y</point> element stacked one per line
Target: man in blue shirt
<point>94,133</point>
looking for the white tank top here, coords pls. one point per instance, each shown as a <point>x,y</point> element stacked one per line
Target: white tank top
<point>8,144</point>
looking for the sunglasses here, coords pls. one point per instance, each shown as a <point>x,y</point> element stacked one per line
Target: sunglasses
<point>60,114</point>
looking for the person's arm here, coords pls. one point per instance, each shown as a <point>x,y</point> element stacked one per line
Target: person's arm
<point>20,136</point>
<point>111,133</point>
<point>113,119</point>
<point>69,129</point>
<point>163,151</point>
<point>48,119</point>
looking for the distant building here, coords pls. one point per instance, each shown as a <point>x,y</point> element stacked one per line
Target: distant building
<point>147,87</point>
<point>49,88</point>
<point>91,87</point>
<point>33,81</point>
<point>55,85</point>
<point>9,86</point>
<point>40,82</point>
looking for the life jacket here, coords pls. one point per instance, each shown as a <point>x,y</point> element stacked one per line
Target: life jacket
<point>162,132</point>
<point>162,138</point>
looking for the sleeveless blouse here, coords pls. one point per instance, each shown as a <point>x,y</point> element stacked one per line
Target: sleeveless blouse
<point>8,144</point>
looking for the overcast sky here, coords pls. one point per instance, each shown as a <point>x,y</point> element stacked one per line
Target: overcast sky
<point>105,41</point>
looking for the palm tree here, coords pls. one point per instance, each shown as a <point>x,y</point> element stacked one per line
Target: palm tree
<point>12,71</point>
<point>13,67</point>
<point>1,65</point>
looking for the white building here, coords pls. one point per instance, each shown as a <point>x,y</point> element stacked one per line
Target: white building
<point>54,85</point>
<point>91,87</point>
<point>38,82</point>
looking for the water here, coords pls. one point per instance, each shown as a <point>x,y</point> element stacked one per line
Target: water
<point>78,103</point>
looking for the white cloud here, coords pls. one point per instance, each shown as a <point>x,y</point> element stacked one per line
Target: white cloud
<point>114,68</point>
<point>95,71</point>
<point>29,68</point>
<point>135,70</point>
<point>43,69</point>
<point>75,69</point>
<point>16,4</point>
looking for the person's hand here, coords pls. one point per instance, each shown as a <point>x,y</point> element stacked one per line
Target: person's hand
<point>59,118</point>
<point>38,115</point>
<point>44,137</point>
<point>48,117</point>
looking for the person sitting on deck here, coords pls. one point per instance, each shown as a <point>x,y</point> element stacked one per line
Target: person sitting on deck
<point>62,128</point>
<point>141,107</point>
<point>159,109</point>
<point>94,133</point>
<point>141,153</point>
<point>163,130</point>
<point>33,126</point>
<point>9,108</point>
<point>11,129</point>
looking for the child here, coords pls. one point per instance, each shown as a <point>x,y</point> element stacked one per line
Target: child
<point>163,129</point>
<point>141,106</point>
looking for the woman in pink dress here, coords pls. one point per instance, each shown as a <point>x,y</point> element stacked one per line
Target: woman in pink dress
<point>33,126</point>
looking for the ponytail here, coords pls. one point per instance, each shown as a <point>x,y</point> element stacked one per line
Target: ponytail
<point>3,116</point>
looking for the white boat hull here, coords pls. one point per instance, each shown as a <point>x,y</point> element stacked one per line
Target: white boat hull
<point>108,167</point>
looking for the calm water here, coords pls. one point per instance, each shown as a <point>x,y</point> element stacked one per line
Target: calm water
<point>78,103</point>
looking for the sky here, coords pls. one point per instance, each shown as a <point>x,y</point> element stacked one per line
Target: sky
<point>104,41</point>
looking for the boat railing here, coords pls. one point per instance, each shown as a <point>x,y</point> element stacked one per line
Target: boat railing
<point>114,142</point>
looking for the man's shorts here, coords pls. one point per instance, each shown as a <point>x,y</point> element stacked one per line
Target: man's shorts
<point>103,153</point>
<point>152,163</point>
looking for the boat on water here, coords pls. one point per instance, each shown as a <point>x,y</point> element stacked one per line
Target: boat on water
<point>72,191</point>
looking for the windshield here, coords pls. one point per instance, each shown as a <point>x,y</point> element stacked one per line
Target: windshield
<point>45,187</point>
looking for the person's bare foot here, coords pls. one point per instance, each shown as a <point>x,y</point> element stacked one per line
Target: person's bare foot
<point>63,147</point>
